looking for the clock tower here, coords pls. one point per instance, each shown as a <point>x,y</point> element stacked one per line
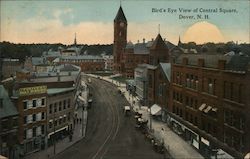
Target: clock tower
<point>120,39</point>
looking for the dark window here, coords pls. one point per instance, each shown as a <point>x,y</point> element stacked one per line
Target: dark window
<point>231,91</point>
<point>43,101</point>
<point>64,104</point>
<point>68,103</point>
<point>34,131</point>
<point>50,108</point>
<point>50,124</point>
<point>5,124</point>
<point>60,105</point>
<point>15,122</point>
<point>34,117</point>
<point>25,104</point>
<point>43,129</point>
<point>43,115</point>
<point>240,93</point>
<point>55,107</point>
<point>25,119</point>
<point>34,103</point>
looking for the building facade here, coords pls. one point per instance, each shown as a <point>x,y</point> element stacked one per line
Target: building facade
<point>8,126</point>
<point>209,104</point>
<point>9,67</point>
<point>60,111</point>
<point>128,55</point>
<point>31,105</point>
<point>87,63</point>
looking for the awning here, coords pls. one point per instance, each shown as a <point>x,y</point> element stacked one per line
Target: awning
<point>202,106</point>
<point>155,109</point>
<point>207,109</point>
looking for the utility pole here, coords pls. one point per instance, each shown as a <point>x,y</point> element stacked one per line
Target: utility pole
<point>82,116</point>
<point>54,134</point>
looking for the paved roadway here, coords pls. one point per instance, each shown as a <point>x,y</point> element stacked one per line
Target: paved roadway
<point>110,134</point>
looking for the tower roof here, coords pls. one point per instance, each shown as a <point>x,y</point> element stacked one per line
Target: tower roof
<point>158,43</point>
<point>120,16</point>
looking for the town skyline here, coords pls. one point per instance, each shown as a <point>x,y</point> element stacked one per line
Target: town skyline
<point>92,21</point>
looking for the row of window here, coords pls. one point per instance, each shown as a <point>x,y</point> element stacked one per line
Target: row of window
<point>9,123</point>
<point>237,142</point>
<point>59,106</point>
<point>231,91</point>
<point>234,119</point>
<point>34,117</point>
<point>59,121</point>
<point>35,131</point>
<point>33,103</point>
<point>91,60</point>
<point>188,116</point>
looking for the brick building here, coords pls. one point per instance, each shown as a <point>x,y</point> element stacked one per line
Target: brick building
<point>88,63</point>
<point>60,110</point>
<point>209,104</point>
<point>30,102</point>
<point>128,55</point>
<point>9,67</point>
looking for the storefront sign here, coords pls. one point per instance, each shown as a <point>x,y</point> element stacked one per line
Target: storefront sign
<point>32,90</point>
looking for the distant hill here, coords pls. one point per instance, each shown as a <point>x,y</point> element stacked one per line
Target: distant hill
<point>20,51</point>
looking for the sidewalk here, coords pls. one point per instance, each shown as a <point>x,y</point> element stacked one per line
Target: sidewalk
<point>176,146</point>
<point>60,145</point>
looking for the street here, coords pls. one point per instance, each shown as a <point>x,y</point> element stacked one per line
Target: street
<point>109,133</point>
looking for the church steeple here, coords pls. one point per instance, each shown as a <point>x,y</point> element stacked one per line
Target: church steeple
<point>120,16</point>
<point>179,42</point>
<point>75,40</point>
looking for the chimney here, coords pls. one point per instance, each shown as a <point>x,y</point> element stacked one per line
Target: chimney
<point>138,41</point>
<point>221,64</point>
<point>143,40</point>
<point>164,39</point>
<point>152,39</point>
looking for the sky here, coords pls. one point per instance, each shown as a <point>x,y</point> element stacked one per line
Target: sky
<point>57,21</point>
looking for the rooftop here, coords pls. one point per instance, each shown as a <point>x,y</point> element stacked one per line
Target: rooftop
<point>233,63</point>
<point>8,108</point>
<point>52,91</point>
<point>82,57</point>
<point>120,16</point>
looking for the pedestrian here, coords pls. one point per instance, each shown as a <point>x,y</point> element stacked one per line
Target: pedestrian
<point>80,120</point>
<point>77,120</point>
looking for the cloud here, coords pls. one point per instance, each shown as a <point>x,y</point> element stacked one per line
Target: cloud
<point>60,12</point>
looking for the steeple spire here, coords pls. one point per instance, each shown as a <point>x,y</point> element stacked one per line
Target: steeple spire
<point>75,40</point>
<point>159,28</point>
<point>120,17</point>
<point>179,42</point>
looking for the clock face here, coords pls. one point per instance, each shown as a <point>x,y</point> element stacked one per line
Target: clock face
<point>122,24</point>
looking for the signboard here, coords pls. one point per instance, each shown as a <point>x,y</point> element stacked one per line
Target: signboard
<point>32,90</point>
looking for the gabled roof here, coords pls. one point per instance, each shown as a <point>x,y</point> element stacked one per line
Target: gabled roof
<point>166,68</point>
<point>158,43</point>
<point>8,108</point>
<point>120,16</point>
